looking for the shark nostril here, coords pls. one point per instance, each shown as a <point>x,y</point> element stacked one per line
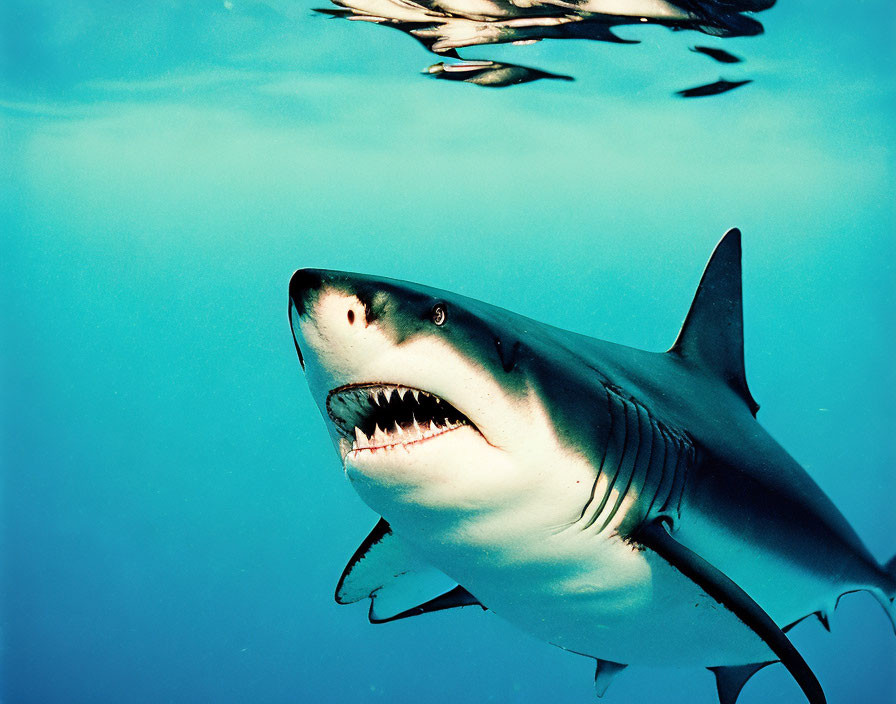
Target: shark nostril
<point>351,316</point>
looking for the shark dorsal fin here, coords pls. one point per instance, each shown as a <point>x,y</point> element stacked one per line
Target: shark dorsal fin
<point>712,336</point>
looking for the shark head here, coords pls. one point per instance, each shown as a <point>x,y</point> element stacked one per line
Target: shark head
<point>430,397</point>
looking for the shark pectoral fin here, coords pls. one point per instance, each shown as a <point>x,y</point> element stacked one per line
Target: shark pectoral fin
<point>655,536</point>
<point>604,674</point>
<point>449,600</point>
<point>731,680</point>
<point>384,570</point>
<point>359,579</point>
<point>712,336</point>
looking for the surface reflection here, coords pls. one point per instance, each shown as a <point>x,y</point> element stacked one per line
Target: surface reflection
<point>489,73</point>
<point>446,26</point>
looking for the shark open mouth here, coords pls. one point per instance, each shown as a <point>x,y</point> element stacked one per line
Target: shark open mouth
<point>384,416</point>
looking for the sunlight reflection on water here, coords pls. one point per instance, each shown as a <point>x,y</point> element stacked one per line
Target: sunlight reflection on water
<point>445,26</point>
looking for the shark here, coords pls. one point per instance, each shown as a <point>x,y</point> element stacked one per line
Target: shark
<point>621,504</point>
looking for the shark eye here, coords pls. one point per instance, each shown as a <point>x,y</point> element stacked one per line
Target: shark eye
<point>439,314</point>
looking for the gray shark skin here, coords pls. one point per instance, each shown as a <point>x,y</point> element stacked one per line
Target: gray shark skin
<point>621,504</point>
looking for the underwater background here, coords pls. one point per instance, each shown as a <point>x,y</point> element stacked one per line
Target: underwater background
<point>174,518</point>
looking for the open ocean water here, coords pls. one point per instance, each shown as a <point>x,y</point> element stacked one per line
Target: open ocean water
<point>174,518</point>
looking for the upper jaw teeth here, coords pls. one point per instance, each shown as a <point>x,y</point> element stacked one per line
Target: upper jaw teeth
<point>354,408</point>
<point>357,398</point>
<point>382,395</point>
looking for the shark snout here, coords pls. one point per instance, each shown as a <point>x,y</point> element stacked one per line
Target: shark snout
<point>308,286</point>
<point>302,286</point>
<point>329,317</point>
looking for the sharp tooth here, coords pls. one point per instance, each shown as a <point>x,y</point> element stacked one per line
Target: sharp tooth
<point>433,428</point>
<point>416,395</point>
<point>398,430</point>
<point>360,439</point>
<point>379,437</point>
<point>375,397</point>
<point>385,397</point>
<point>417,432</point>
<point>448,424</point>
<point>401,392</point>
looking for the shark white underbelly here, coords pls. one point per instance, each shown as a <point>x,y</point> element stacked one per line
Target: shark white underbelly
<point>602,597</point>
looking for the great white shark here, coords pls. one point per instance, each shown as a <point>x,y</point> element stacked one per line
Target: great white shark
<point>618,503</point>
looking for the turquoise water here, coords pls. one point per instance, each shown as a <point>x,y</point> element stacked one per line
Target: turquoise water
<point>175,519</point>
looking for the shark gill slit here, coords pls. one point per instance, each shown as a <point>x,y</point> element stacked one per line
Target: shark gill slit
<point>653,476</point>
<point>667,474</point>
<point>656,478</point>
<point>629,474</point>
<point>620,455</point>
<point>644,472</point>
<point>603,459</point>
<point>685,456</point>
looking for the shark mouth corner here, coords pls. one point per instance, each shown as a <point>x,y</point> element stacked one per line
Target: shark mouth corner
<point>376,416</point>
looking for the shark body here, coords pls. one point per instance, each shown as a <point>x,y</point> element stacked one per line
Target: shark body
<point>621,504</point>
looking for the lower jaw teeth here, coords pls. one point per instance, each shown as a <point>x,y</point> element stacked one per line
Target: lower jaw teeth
<point>399,437</point>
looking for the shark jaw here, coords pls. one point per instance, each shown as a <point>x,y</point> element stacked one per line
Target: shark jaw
<point>375,418</point>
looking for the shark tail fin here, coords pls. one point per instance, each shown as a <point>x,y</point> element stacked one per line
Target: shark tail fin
<point>712,336</point>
